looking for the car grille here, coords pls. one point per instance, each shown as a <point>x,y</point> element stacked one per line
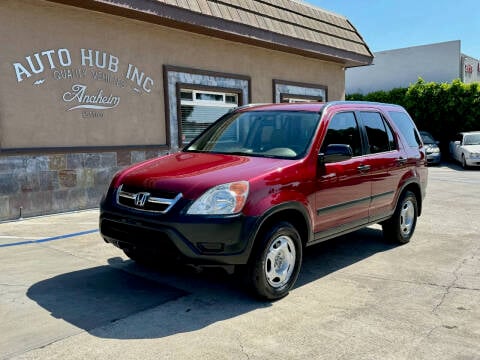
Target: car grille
<point>152,200</point>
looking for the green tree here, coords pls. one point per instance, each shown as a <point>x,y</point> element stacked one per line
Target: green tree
<point>443,109</point>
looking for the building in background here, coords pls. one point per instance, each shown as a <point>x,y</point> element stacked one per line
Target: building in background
<point>440,62</point>
<point>91,86</point>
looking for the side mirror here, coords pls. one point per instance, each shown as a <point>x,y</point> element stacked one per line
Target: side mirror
<point>335,153</point>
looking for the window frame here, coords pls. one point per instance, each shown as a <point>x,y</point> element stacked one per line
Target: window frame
<point>301,98</point>
<point>386,124</point>
<point>298,90</point>
<point>172,75</point>
<point>360,128</point>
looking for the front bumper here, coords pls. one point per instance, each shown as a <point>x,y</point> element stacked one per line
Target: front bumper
<point>433,159</point>
<point>473,161</point>
<point>225,240</point>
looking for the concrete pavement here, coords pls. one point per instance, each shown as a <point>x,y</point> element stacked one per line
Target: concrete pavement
<point>65,294</point>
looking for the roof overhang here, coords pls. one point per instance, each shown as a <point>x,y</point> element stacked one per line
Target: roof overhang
<point>160,13</point>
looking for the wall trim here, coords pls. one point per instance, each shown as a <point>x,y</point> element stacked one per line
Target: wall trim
<point>278,82</point>
<point>167,69</point>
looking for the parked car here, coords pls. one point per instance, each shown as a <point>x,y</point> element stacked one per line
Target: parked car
<point>265,181</point>
<point>466,148</point>
<point>431,148</point>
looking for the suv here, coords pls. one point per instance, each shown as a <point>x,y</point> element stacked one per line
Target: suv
<point>265,181</point>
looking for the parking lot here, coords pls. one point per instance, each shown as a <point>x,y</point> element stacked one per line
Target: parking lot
<point>65,294</point>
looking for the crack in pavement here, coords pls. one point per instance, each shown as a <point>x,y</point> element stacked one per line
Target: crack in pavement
<point>417,282</point>
<point>453,285</point>
<point>442,301</point>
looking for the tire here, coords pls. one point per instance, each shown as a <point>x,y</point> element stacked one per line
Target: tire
<point>400,227</point>
<point>464,163</point>
<point>275,263</point>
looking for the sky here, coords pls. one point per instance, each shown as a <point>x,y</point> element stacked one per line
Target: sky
<point>394,24</point>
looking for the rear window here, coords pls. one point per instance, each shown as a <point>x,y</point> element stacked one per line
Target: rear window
<point>407,127</point>
<point>380,137</point>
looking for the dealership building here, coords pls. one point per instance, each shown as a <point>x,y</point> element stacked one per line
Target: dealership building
<point>440,62</point>
<point>89,87</point>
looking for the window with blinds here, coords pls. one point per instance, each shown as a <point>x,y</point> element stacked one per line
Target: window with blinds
<point>198,109</point>
<point>289,98</point>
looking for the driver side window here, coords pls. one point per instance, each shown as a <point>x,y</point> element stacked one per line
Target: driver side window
<point>343,129</point>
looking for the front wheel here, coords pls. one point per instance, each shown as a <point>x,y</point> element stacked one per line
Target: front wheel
<point>275,264</point>
<point>400,227</point>
<point>464,163</point>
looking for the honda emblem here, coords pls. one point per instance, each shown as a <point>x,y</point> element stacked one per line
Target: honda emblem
<point>141,198</point>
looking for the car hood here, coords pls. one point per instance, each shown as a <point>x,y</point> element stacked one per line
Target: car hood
<point>472,148</point>
<point>193,173</point>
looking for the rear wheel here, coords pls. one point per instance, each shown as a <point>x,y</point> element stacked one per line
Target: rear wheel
<point>274,266</point>
<point>400,227</point>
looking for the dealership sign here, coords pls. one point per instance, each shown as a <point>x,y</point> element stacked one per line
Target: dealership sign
<point>88,101</point>
<point>78,68</point>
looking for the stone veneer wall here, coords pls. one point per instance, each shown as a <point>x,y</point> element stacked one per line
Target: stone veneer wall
<point>43,184</point>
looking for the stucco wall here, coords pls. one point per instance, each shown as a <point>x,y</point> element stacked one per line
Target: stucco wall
<point>57,99</point>
<point>401,67</point>
<point>32,107</point>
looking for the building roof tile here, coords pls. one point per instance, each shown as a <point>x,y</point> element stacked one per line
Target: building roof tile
<point>285,25</point>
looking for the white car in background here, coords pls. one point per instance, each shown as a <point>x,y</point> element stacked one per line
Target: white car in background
<point>466,148</point>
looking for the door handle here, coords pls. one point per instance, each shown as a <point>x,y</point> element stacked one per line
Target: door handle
<point>363,168</point>
<point>402,161</point>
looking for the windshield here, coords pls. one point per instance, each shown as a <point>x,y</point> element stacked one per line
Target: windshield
<point>473,139</point>
<point>278,134</point>
<point>427,138</point>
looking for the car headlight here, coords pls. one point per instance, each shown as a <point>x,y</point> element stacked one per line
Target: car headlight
<point>474,155</point>
<point>432,150</point>
<point>221,200</point>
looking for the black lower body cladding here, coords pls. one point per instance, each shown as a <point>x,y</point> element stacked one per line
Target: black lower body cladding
<point>195,239</point>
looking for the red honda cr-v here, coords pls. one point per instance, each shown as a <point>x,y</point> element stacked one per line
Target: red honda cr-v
<point>263,182</point>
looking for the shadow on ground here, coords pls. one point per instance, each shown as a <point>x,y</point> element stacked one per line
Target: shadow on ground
<point>453,165</point>
<point>98,296</point>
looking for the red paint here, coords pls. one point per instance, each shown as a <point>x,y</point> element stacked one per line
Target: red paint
<point>277,181</point>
